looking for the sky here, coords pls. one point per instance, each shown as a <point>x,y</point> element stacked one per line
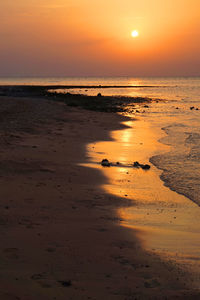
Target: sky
<point>93,38</point>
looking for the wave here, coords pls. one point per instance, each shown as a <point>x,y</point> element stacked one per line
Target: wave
<point>181,166</point>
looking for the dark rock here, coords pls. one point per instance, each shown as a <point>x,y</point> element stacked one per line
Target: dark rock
<point>136,164</point>
<point>145,167</point>
<point>192,107</point>
<point>66,283</point>
<point>146,106</point>
<point>105,163</point>
<point>99,95</point>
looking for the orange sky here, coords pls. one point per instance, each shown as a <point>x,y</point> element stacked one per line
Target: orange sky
<point>93,38</point>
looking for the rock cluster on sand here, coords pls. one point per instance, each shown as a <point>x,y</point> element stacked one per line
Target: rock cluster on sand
<point>136,164</point>
<point>192,107</point>
<point>105,163</point>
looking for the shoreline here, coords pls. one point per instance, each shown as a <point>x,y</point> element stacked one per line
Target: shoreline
<point>170,173</point>
<point>155,206</point>
<point>60,233</point>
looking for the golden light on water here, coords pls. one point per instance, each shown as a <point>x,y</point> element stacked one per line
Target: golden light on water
<point>134,33</point>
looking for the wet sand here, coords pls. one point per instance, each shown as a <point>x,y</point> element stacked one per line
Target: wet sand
<point>61,229</point>
<point>167,222</point>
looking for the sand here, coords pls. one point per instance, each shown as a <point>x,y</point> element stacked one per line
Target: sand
<point>61,233</point>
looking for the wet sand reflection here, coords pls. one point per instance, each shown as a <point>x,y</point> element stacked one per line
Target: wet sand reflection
<point>167,223</point>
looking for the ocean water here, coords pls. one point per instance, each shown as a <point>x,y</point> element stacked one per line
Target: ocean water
<point>177,112</point>
<point>171,88</point>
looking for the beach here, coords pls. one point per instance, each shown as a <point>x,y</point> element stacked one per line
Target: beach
<point>100,150</point>
<point>62,236</point>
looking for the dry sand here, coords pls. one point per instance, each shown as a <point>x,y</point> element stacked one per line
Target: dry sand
<point>61,237</point>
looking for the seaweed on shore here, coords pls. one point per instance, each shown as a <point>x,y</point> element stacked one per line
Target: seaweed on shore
<point>99,103</point>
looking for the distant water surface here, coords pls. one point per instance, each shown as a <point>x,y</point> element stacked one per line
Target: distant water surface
<point>161,87</point>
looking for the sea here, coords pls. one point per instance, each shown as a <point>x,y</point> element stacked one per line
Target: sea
<point>176,110</point>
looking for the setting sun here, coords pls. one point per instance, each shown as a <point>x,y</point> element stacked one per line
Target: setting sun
<point>135,33</point>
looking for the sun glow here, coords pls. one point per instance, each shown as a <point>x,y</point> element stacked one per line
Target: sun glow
<point>134,33</point>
